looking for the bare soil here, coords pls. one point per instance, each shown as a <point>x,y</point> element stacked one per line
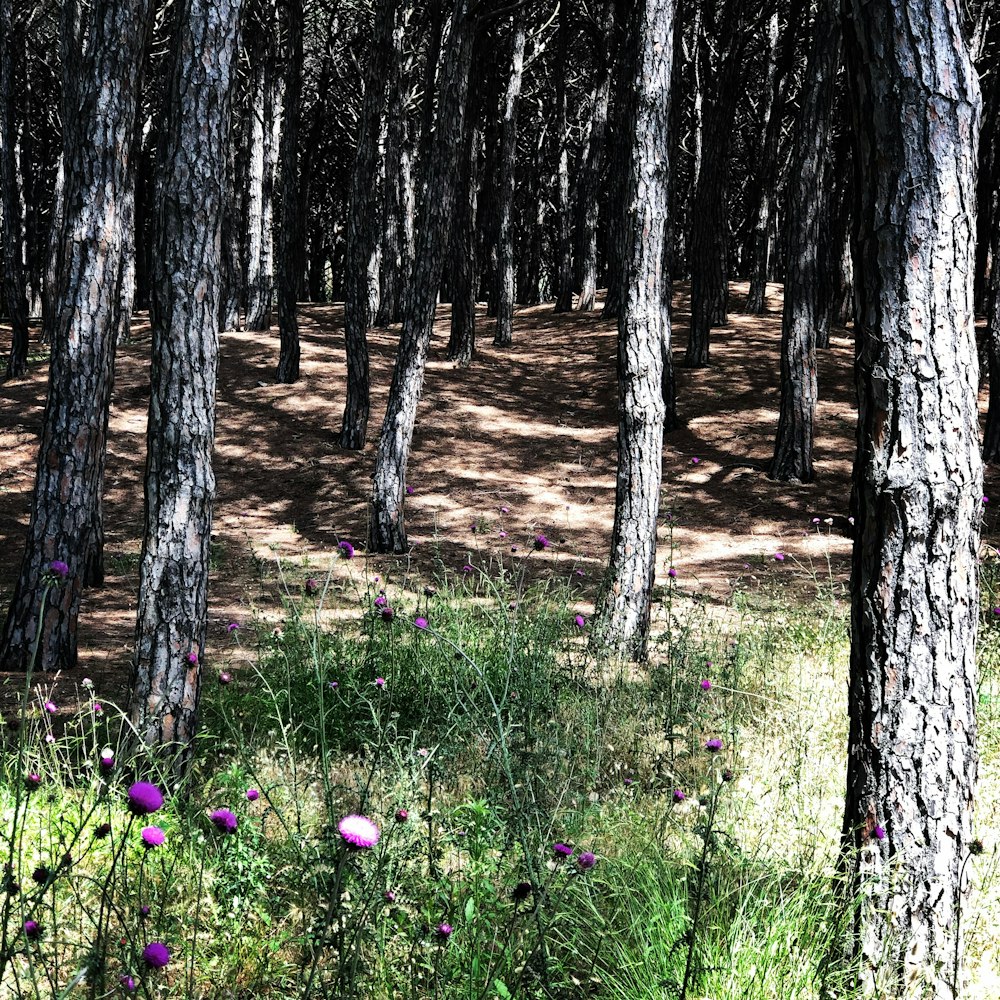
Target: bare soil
<point>521,442</point>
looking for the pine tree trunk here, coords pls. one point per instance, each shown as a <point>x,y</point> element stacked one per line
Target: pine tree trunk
<point>362,234</point>
<point>290,233</point>
<point>918,479</point>
<point>462,343</point>
<point>387,532</point>
<point>66,505</point>
<point>643,328</point>
<point>564,220</point>
<point>180,482</point>
<point>991,434</point>
<point>11,235</point>
<point>508,159</point>
<point>806,207</point>
<point>232,226</point>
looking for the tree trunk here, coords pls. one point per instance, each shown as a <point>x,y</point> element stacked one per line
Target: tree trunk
<point>386,529</point>
<point>807,201</point>
<point>362,233</point>
<point>918,479</point>
<point>508,161</point>
<point>290,235</point>
<point>11,234</point>
<point>462,343</point>
<point>643,328</point>
<point>180,482</point>
<point>991,434</point>
<point>564,219</point>
<point>66,502</point>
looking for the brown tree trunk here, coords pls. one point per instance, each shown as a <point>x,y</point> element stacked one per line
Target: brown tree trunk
<point>65,514</point>
<point>180,482</point>
<point>643,327</point>
<point>462,342</point>
<point>564,220</point>
<point>911,764</point>
<point>362,234</point>
<point>806,208</point>
<point>508,161</point>
<point>290,234</point>
<point>387,532</point>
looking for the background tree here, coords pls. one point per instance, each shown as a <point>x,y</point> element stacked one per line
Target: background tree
<point>918,486</point>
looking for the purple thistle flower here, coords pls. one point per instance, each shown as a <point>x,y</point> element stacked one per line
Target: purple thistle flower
<point>541,542</point>
<point>879,832</point>
<point>580,621</point>
<point>346,550</point>
<point>156,954</point>
<point>358,831</point>
<point>128,983</point>
<point>50,707</point>
<point>224,821</point>
<point>380,682</point>
<point>232,626</point>
<point>402,815</point>
<point>60,568</point>
<point>706,685</point>
<point>387,614</point>
<point>779,556</point>
<point>409,491</point>
<point>144,911</point>
<point>192,657</point>
<point>443,931</point>
<point>390,896</point>
<point>728,775</point>
<point>467,569</point>
<point>312,587</point>
<point>98,707</point>
<point>679,796</point>
<point>587,860</point>
<point>713,746</point>
<point>225,677</point>
<point>695,460</point>
<point>107,761</point>
<point>380,601</point>
<point>32,929</point>
<point>562,850</point>
<point>153,836</point>
<point>420,623</point>
<point>144,798</point>
<point>32,781</point>
<point>672,573</point>
<point>252,795</point>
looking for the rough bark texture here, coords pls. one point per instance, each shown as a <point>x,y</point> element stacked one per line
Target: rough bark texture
<point>11,230</point>
<point>462,342</point>
<point>290,233</point>
<point>65,515</point>
<point>180,483</point>
<point>508,159</point>
<point>386,529</point>
<point>564,279</point>
<point>918,484</point>
<point>362,234</point>
<point>806,208</point>
<point>643,326</point>
<point>991,434</point>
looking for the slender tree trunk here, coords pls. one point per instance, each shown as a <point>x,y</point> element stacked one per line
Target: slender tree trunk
<point>291,233</point>
<point>65,508</point>
<point>624,603</point>
<point>807,211</point>
<point>564,218</point>
<point>918,479</point>
<point>462,343</point>
<point>11,234</point>
<point>991,434</point>
<point>232,226</point>
<point>180,482</point>
<point>835,267</point>
<point>387,532</point>
<point>508,162</point>
<point>362,234</point>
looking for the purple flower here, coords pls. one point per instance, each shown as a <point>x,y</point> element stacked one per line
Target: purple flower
<point>144,911</point>
<point>986,499</point>
<point>587,860</point>
<point>695,460</point>
<point>358,831</point>
<point>562,850</point>
<point>225,677</point>
<point>223,820</point>
<point>390,896</point>
<point>153,836</point>
<point>420,623</point>
<point>312,587</point>
<point>144,798</point>
<point>779,556</point>
<point>50,707</point>
<point>706,685</point>
<point>346,550</point>
<point>679,796</point>
<point>128,983</point>
<point>713,746</point>
<point>232,626</point>
<point>505,510</point>
<point>672,573</point>
<point>380,601</point>
<point>387,614</point>
<point>728,775</point>
<point>32,781</point>
<point>467,569</point>
<point>879,832</point>
<point>580,621</point>
<point>409,491</point>
<point>98,707</point>
<point>107,761</point>
<point>402,815</point>
<point>443,931</point>
<point>60,568</point>
<point>32,929</point>
<point>192,657</point>
<point>502,533</point>
<point>380,682</point>
<point>541,542</point>
<point>156,955</point>
<point>252,795</point>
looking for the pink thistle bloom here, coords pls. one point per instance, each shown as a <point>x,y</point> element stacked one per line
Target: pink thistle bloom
<point>153,836</point>
<point>144,798</point>
<point>252,795</point>
<point>420,623</point>
<point>232,626</point>
<point>358,831</point>
<point>587,860</point>
<point>192,657</point>
<point>50,707</point>
<point>779,556</point>
<point>679,796</point>
<point>580,621</point>
<point>706,685</point>
<point>695,460</point>
<point>156,955</point>
<point>672,573</point>
<point>444,930</point>
<point>380,682</point>
<point>713,746</point>
<point>224,821</point>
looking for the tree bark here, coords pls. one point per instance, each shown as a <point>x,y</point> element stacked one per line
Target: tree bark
<point>564,219</point>
<point>991,434</point>
<point>508,161</point>
<point>290,235</point>
<point>462,343</point>
<point>807,201</point>
<point>180,482</point>
<point>362,234</point>
<point>643,328</point>
<point>65,514</point>
<point>11,230</point>
<point>387,532</point>
<point>918,482</point>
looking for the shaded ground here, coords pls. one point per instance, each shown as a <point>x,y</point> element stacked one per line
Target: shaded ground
<point>530,429</point>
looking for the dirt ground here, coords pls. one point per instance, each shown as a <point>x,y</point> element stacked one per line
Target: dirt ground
<point>521,442</point>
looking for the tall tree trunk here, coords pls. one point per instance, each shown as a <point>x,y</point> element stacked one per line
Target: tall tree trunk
<point>508,161</point>
<point>290,234</point>
<point>911,763</point>
<point>807,201</point>
<point>590,176</point>
<point>462,343</point>
<point>11,234</point>
<point>564,218</point>
<point>232,245</point>
<point>624,603</point>
<point>65,508</point>
<point>387,532</point>
<point>362,233</point>
<point>835,267</point>
<point>180,482</point>
<point>991,434</point>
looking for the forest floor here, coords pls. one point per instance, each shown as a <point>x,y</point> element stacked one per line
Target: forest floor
<point>521,442</point>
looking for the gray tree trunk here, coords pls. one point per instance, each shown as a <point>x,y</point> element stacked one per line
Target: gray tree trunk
<point>623,607</point>
<point>918,483</point>
<point>564,220</point>
<point>462,343</point>
<point>180,482</point>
